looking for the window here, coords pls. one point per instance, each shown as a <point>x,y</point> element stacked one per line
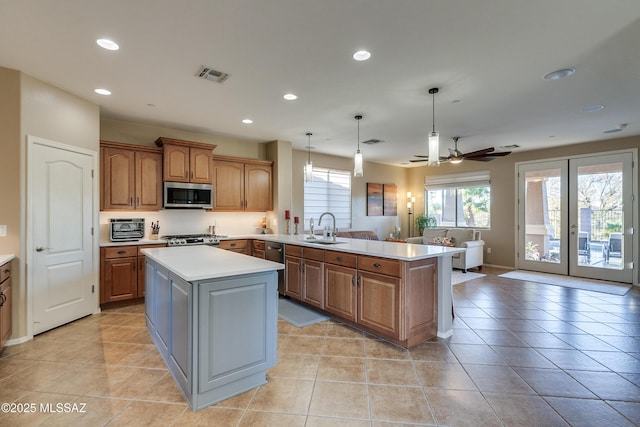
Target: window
<point>460,200</point>
<point>330,191</point>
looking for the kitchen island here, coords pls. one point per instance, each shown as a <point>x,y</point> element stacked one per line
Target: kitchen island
<point>213,316</point>
<point>398,291</point>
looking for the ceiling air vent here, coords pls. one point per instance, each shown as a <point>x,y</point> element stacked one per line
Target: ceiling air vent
<point>372,141</point>
<point>209,73</point>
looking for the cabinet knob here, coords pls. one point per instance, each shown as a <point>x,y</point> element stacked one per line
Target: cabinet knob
<point>233,245</point>
<point>339,258</point>
<point>3,299</point>
<point>122,252</point>
<point>377,265</point>
<point>6,271</point>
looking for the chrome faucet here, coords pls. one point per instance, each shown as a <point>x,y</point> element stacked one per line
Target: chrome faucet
<point>335,231</point>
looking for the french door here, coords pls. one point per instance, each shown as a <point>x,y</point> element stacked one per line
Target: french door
<point>575,216</point>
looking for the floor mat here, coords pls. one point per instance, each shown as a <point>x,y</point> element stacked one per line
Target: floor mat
<point>613,288</point>
<point>458,277</point>
<point>298,315</point>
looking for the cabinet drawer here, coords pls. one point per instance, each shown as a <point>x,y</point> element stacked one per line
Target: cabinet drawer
<point>141,247</point>
<point>233,244</point>
<point>314,254</point>
<point>293,250</point>
<point>5,271</point>
<point>120,252</point>
<point>258,244</point>
<point>389,267</point>
<point>340,258</point>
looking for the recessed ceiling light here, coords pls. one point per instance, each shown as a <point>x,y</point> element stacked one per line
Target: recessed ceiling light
<point>290,97</point>
<point>101,91</point>
<point>592,108</point>
<point>362,55</point>
<point>107,44</point>
<point>559,74</point>
<point>247,121</point>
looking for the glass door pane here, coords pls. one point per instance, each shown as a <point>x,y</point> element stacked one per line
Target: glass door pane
<point>601,217</point>
<point>542,202</point>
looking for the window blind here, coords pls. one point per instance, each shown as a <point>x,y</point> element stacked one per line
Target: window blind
<point>330,191</point>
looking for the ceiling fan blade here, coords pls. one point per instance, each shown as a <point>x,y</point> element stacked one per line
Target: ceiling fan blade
<point>419,160</point>
<point>480,158</point>
<point>499,153</point>
<point>478,153</point>
<point>421,156</point>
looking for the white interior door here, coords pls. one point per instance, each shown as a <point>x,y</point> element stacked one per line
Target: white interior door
<point>61,251</point>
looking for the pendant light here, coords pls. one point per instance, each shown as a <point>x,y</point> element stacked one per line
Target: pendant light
<point>357,160</point>
<point>434,139</point>
<point>308,167</point>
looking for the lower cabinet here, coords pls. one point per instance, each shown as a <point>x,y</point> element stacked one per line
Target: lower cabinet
<point>240,246</point>
<point>122,272</point>
<point>393,299</point>
<point>5,303</point>
<point>257,248</point>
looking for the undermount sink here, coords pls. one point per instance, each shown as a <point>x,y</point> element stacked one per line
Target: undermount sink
<point>322,242</point>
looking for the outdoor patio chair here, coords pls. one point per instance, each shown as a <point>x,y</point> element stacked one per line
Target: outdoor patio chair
<point>613,247</point>
<point>584,245</point>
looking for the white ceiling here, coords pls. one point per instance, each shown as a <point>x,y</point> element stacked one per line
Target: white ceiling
<point>487,57</point>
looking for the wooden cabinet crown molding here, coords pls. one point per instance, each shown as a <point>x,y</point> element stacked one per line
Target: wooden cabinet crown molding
<point>242,160</point>
<point>121,145</point>
<point>164,140</point>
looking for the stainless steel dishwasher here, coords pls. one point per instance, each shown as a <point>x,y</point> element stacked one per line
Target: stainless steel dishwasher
<point>274,251</point>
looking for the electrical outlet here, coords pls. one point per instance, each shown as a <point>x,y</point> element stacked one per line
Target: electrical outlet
<point>3,231</point>
<point>488,250</point>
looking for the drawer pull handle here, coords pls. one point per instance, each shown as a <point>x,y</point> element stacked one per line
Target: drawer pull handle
<point>122,252</point>
<point>377,265</point>
<point>233,245</point>
<point>339,258</point>
<point>3,299</point>
<point>7,271</point>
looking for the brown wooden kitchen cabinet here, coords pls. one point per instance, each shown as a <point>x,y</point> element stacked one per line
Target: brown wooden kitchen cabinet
<point>186,161</point>
<point>131,177</point>
<point>240,246</point>
<point>304,274</point>
<point>122,272</point>
<point>340,284</point>
<point>293,271</point>
<point>242,184</point>
<point>257,248</point>
<point>5,303</point>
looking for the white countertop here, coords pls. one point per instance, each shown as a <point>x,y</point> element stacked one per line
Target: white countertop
<point>201,262</point>
<point>377,248</point>
<point>104,243</point>
<point>4,258</point>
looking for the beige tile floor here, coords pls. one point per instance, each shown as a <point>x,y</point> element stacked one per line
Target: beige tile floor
<point>521,354</point>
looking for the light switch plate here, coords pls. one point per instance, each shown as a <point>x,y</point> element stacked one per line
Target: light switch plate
<point>3,231</point>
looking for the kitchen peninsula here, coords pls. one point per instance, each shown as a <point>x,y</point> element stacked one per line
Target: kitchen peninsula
<point>213,316</point>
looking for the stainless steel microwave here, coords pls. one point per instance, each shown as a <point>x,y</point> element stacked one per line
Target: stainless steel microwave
<point>186,195</point>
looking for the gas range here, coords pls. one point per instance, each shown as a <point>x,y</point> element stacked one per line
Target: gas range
<point>191,239</point>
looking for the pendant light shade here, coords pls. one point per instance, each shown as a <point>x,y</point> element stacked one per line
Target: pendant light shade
<point>308,167</point>
<point>357,159</point>
<point>434,138</point>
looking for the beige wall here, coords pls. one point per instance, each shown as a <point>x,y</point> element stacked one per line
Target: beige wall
<point>145,134</point>
<point>373,172</point>
<point>31,107</point>
<point>501,237</point>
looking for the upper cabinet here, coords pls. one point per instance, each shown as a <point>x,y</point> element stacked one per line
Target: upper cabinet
<point>186,161</point>
<point>242,184</point>
<point>131,177</point>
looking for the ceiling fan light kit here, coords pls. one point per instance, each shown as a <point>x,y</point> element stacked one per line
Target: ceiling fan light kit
<point>358,169</point>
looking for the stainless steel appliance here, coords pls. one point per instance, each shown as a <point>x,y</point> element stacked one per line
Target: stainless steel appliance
<point>191,239</point>
<point>274,251</point>
<point>126,229</point>
<point>188,195</point>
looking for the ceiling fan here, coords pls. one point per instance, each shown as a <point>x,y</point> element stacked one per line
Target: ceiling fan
<point>457,156</point>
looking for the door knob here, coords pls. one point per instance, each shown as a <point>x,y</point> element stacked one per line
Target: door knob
<point>40,248</point>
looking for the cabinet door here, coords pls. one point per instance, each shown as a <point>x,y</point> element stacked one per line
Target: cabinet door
<point>120,279</point>
<point>228,185</point>
<point>258,187</point>
<point>379,303</point>
<point>5,312</point>
<point>200,165</point>
<point>148,181</point>
<point>176,163</point>
<point>340,291</point>
<point>118,179</point>
<point>181,332</point>
<point>293,278</point>
<point>313,283</point>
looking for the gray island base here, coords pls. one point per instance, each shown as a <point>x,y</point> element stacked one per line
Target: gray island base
<point>213,315</point>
